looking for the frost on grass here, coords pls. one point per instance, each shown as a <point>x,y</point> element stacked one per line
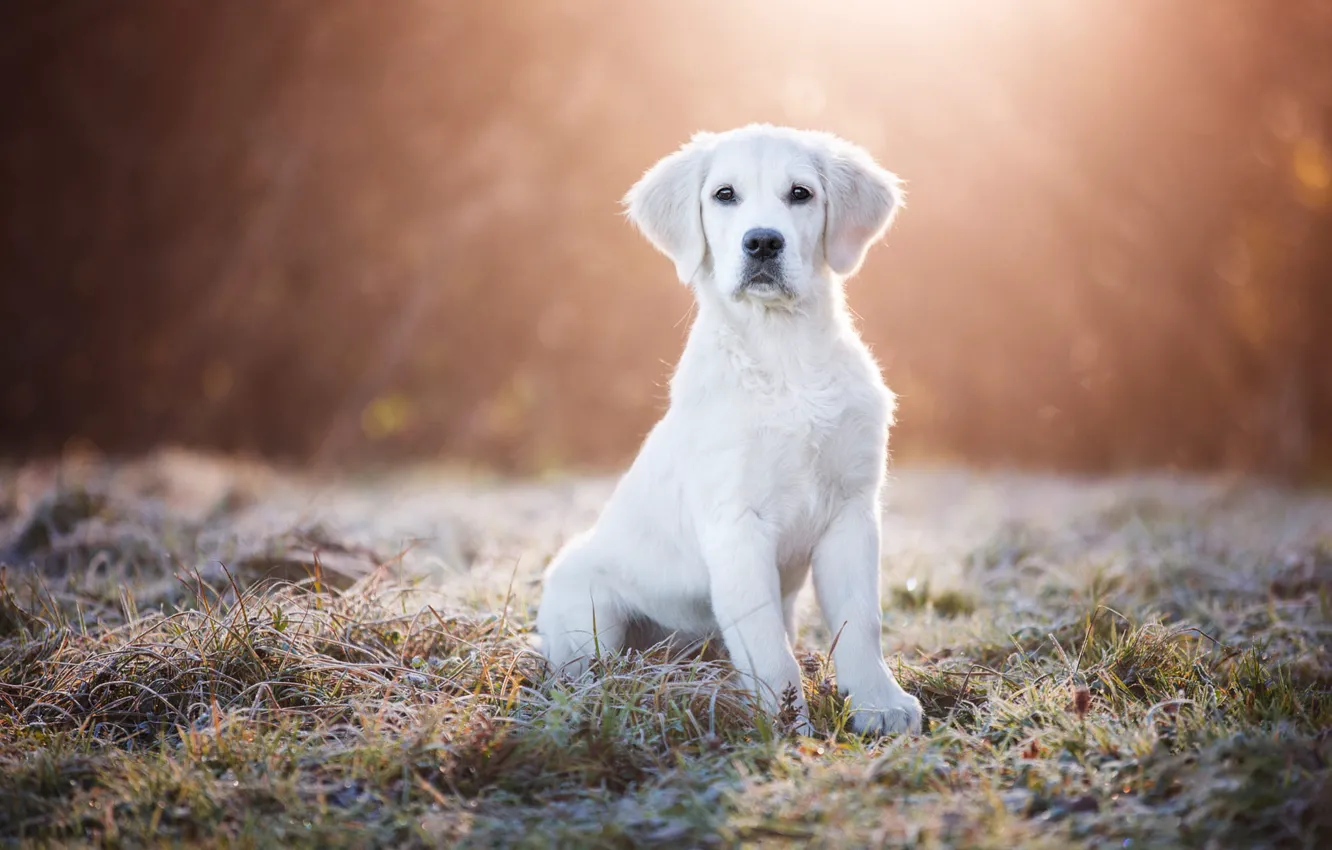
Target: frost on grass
<point>198,653</point>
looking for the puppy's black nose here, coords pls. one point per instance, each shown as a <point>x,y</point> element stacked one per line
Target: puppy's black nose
<point>763,243</point>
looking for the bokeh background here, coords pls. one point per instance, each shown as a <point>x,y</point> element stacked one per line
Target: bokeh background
<point>351,231</point>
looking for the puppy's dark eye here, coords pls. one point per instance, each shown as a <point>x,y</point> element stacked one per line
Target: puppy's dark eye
<point>725,195</point>
<point>800,194</point>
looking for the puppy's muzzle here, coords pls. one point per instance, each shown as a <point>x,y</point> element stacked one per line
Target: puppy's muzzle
<point>763,275</point>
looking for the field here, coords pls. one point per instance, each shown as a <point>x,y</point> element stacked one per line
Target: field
<point>205,653</point>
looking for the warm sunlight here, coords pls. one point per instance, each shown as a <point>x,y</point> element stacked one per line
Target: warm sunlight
<point>1081,196</point>
<point>410,438</point>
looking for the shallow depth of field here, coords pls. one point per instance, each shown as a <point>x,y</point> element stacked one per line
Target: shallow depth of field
<point>323,329</point>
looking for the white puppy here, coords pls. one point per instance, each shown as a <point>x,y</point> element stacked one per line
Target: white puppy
<point>771,456</point>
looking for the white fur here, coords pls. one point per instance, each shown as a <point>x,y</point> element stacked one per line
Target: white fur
<point>771,456</point>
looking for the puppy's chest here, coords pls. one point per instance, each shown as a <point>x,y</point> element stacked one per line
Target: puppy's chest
<point>821,423</point>
<point>816,458</point>
<point>808,455</point>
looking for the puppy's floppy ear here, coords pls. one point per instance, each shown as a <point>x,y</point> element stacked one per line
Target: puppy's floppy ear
<point>862,200</point>
<point>665,205</point>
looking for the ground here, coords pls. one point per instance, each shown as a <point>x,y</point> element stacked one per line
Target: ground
<point>207,653</point>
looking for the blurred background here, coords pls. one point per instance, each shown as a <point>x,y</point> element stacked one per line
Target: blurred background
<point>354,232</point>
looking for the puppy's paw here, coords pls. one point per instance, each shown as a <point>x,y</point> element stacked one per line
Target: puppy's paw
<point>892,715</point>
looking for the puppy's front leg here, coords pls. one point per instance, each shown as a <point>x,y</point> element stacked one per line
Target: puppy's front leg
<point>747,604</point>
<point>846,580</point>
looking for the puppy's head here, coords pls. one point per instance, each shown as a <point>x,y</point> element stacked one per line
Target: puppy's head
<point>763,214</point>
